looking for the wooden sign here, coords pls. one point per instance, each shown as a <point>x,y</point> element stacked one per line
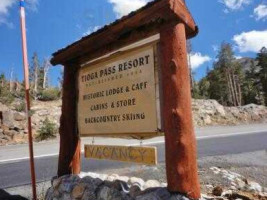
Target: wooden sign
<point>141,155</point>
<point>118,96</point>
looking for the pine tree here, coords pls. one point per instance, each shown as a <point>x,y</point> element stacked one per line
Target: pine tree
<point>204,86</point>
<point>251,86</point>
<point>262,63</point>
<point>230,76</point>
<point>2,80</point>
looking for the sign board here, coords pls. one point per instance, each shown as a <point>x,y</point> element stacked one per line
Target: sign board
<point>118,96</point>
<point>141,155</point>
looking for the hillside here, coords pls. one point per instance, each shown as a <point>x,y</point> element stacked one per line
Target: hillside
<point>246,63</point>
<point>206,113</point>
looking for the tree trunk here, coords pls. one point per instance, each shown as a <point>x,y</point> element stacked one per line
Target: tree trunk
<point>229,88</point>
<point>46,69</point>
<point>230,85</point>
<point>35,82</point>
<point>235,89</point>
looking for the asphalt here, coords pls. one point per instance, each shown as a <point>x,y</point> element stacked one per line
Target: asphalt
<point>212,141</point>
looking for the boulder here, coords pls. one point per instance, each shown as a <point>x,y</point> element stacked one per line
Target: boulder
<point>157,194</point>
<point>151,184</point>
<point>89,195</point>
<point>135,190</point>
<point>78,191</point>
<point>19,116</point>
<point>106,193</point>
<point>92,183</point>
<point>254,187</point>
<point>10,133</point>
<point>139,181</point>
<point>217,191</point>
<point>8,119</point>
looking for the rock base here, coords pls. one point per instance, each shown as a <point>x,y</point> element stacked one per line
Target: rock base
<point>106,187</point>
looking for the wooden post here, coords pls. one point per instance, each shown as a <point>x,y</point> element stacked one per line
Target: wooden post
<point>69,155</point>
<point>180,139</point>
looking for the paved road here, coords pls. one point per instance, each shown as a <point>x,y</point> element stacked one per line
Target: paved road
<point>14,164</point>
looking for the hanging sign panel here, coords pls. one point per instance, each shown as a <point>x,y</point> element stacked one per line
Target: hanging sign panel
<point>140,155</point>
<point>117,97</point>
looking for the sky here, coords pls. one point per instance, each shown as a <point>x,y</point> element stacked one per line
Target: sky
<point>52,25</point>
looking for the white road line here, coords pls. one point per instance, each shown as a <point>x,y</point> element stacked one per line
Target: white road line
<point>229,134</point>
<point>144,143</point>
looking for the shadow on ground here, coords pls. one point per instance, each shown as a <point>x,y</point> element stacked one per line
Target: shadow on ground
<point>6,196</point>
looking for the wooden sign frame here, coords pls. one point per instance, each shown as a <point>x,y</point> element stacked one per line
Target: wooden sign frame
<point>173,22</point>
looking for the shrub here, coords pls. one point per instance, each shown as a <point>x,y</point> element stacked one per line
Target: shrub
<point>21,107</point>
<point>49,94</point>
<point>47,130</point>
<point>6,96</point>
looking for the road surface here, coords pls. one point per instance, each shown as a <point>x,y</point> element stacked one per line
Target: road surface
<point>212,141</point>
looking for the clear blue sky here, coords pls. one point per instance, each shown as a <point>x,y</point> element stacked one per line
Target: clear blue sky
<point>52,25</point>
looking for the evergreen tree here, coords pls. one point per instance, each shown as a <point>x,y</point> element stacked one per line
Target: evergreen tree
<point>224,82</point>
<point>2,80</point>
<point>204,86</point>
<point>251,89</point>
<point>262,63</point>
<point>229,77</point>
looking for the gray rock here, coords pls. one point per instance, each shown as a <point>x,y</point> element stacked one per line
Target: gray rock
<point>117,184</point>
<point>155,194</point>
<point>78,191</point>
<point>107,193</point>
<point>135,190</point>
<point>66,186</point>
<point>72,187</point>
<point>89,195</point>
<point>240,183</point>
<point>8,119</point>
<point>56,182</point>
<point>49,194</point>
<point>178,197</point>
<point>149,196</point>
<point>254,187</point>
<point>65,197</point>
<point>91,182</point>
